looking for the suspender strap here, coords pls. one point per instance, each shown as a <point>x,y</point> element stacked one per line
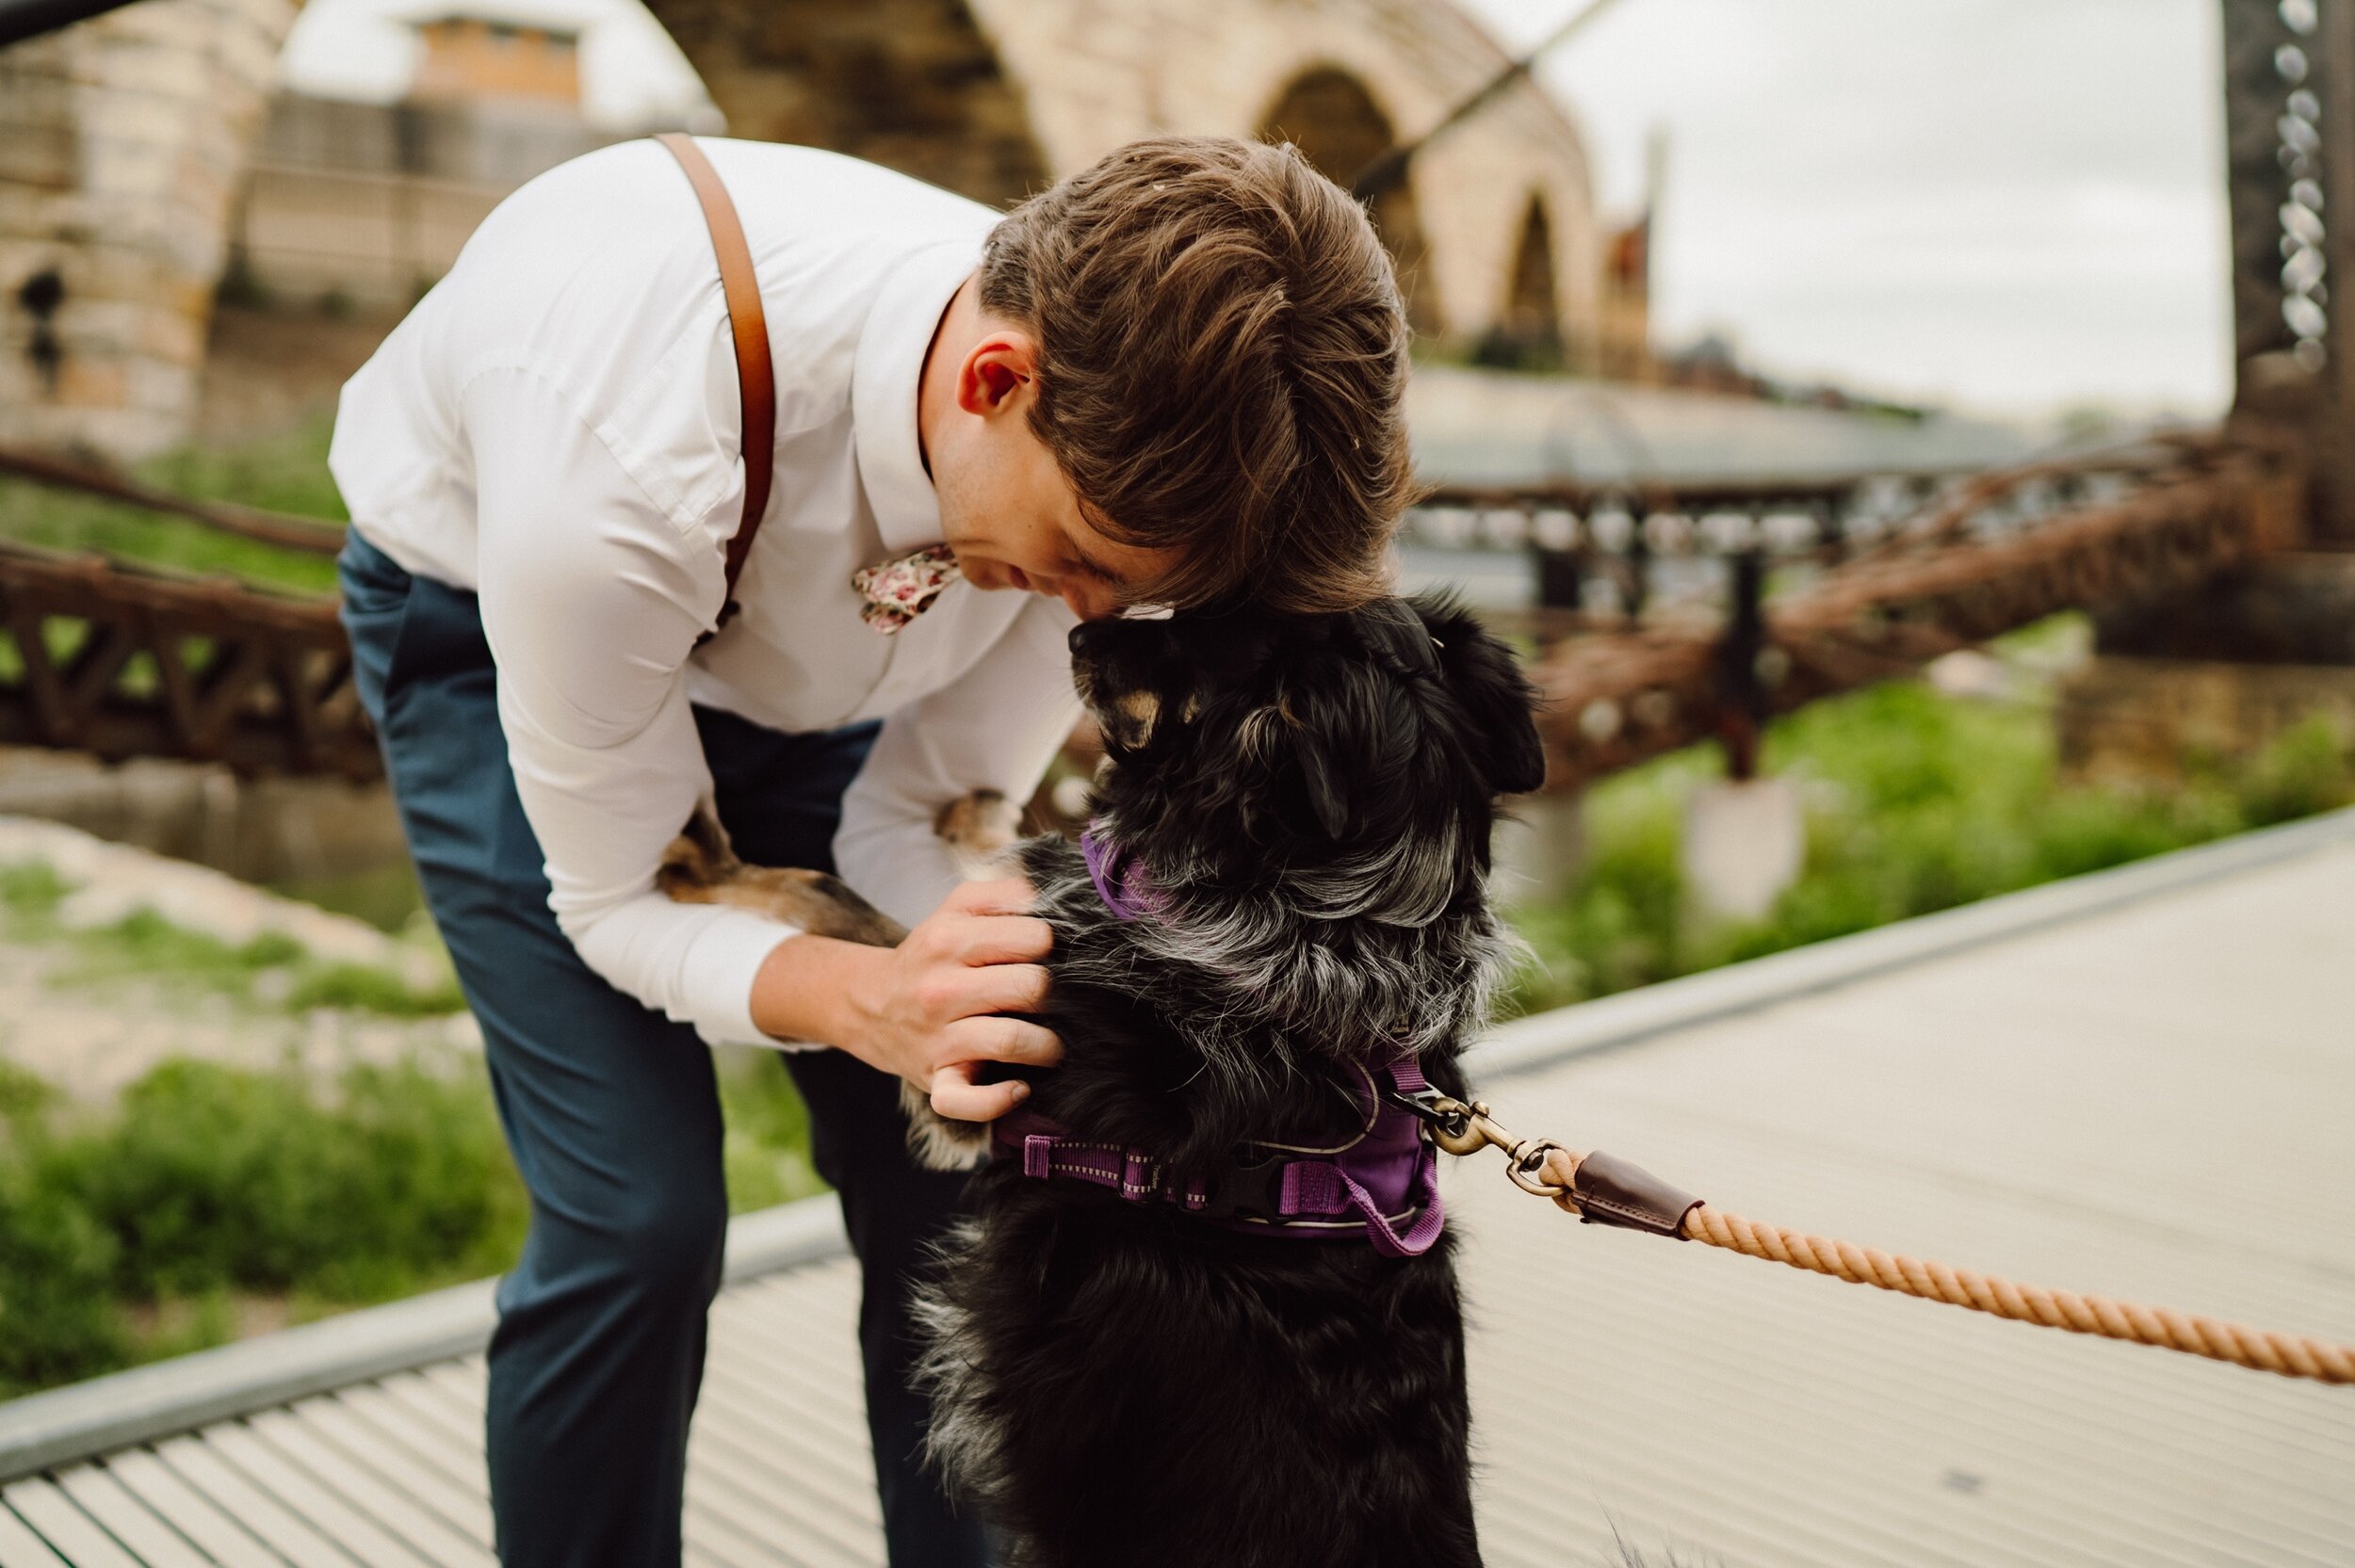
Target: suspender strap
<point>756,381</point>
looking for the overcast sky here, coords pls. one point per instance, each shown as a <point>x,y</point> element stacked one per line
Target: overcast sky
<point>2015,205</point>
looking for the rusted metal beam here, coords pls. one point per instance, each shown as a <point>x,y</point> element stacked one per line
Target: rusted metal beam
<point>125,661</point>
<point>284,530</point>
<point>1618,698</point>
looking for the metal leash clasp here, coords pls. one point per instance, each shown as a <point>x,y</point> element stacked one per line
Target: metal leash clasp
<point>1463,1128</point>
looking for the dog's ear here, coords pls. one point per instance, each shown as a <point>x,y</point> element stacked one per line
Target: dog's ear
<point>1497,697</point>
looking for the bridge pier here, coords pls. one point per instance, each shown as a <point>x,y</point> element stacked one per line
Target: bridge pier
<point>2289,126</point>
<point>2219,674</point>
<point>2223,670</point>
<point>122,141</point>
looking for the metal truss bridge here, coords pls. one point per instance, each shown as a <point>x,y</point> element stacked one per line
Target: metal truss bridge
<point>1667,615</point>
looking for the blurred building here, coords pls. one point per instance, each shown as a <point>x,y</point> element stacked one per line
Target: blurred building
<point>361,206</point>
<point>1623,328</point>
<point>472,55</point>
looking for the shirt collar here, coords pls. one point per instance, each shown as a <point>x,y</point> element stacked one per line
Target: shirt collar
<point>884,379</point>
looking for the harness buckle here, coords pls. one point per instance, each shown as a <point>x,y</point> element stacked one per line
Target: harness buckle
<point>1248,1192</point>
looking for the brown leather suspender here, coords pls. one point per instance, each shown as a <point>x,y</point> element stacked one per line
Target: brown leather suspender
<point>756,380</point>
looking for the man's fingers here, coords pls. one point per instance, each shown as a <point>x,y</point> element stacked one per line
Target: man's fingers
<point>998,895</point>
<point>956,1096</point>
<point>952,991</point>
<point>1011,1040</point>
<point>1003,939</point>
<point>1001,988</point>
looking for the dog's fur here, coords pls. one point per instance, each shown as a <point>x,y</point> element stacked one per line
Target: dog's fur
<point>1309,799</point>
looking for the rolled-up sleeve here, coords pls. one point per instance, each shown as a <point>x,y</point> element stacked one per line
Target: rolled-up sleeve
<point>591,598</point>
<point>997,726</point>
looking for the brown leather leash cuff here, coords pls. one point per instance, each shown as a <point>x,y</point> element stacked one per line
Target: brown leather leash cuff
<point>1609,1190</point>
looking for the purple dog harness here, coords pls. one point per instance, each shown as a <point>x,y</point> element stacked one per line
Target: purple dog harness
<point>1383,1183</point>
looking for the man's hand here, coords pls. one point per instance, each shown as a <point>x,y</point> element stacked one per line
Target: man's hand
<point>929,1009</point>
<point>935,1016</point>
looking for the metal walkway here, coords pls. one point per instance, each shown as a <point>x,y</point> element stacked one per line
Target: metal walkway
<point>2141,1083</point>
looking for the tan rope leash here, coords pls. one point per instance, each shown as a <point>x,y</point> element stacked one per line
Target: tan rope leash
<point>1603,1190</point>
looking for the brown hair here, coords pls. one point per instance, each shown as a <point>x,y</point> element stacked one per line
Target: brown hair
<point>1221,357</point>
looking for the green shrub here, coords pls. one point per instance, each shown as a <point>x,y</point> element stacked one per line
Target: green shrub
<point>386,896</point>
<point>1915,803</point>
<point>24,1096</point>
<point>58,1319</point>
<point>2304,771</point>
<point>126,1236</point>
<point>135,1232</point>
<point>212,1177</point>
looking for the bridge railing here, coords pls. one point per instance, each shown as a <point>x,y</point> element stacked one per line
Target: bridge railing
<point>1619,548</point>
<point>1782,605</point>
<point>1667,614</point>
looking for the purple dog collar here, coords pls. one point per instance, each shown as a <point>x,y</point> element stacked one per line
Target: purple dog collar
<point>1382,1184</point>
<point>1118,878</point>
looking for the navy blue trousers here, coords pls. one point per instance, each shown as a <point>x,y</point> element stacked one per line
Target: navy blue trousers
<point>613,1116</point>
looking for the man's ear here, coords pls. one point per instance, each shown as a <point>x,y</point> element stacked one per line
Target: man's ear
<point>1496,695</point>
<point>998,372</point>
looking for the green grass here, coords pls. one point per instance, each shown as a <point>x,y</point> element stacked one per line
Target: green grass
<point>1915,803</point>
<point>285,473</point>
<point>765,1151</point>
<point>386,896</point>
<point>140,1231</point>
<point>30,892</point>
<point>270,972</point>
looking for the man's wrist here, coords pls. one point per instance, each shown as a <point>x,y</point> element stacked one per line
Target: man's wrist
<point>820,990</point>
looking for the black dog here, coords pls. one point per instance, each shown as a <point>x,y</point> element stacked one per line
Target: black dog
<point>1283,896</point>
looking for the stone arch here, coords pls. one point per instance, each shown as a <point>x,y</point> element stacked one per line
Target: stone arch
<point>914,85</point>
<point>1331,116</point>
<point>1528,331</point>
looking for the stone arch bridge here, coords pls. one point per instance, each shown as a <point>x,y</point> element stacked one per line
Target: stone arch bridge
<point>107,657</point>
<point>124,136</point>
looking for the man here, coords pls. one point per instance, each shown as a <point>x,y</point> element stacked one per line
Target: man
<point>1172,379</point>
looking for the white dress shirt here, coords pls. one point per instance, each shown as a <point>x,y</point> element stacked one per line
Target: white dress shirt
<point>556,426</point>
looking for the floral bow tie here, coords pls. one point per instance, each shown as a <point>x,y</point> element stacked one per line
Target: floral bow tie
<point>900,589</point>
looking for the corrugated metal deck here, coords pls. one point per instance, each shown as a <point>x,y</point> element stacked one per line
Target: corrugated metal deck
<point>2153,1098</point>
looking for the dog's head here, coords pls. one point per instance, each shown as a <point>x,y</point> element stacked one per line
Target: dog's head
<point>1355,758</point>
